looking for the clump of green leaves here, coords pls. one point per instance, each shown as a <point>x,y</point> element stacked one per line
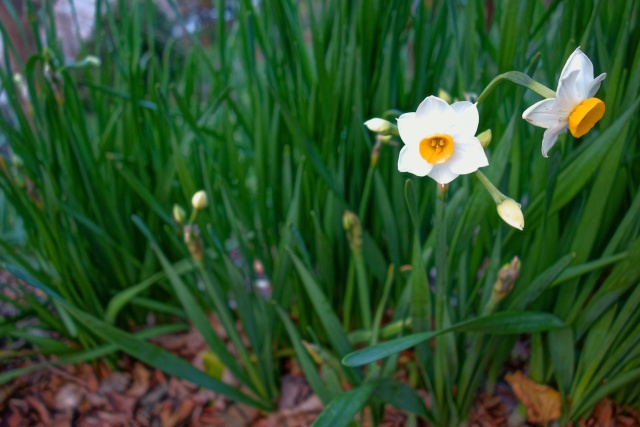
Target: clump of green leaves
<point>268,119</point>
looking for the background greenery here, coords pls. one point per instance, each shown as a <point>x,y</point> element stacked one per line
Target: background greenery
<point>267,118</point>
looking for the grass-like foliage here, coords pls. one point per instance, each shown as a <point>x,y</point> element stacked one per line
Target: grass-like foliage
<point>267,118</point>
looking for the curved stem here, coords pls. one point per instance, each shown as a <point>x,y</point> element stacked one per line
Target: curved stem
<point>497,196</point>
<point>519,78</point>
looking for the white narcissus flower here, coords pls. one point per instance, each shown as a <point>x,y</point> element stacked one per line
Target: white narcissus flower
<point>574,106</point>
<point>440,140</point>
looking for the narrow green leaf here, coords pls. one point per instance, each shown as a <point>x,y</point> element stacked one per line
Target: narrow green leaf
<point>525,293</point>
<point>504,323</point>
<point>194,311</point>
<point>305,360</point>
<point>323,308</point>
<point>609,387</point>
<point>562,348</point>
<point>122,298</point>
<point>401,396</point>
<point>325,312</point>
<point>343,408</point>
<point>161,359</point>
<point>92,354</point>
<point>45,344</point>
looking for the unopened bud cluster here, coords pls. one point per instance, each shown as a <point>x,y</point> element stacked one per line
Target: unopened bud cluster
<point>193,240</point>
<point>190,230</point>
<point>352,226</point>
<point>506,279</point>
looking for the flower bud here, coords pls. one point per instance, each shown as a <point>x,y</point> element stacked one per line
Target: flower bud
<point>179,215</point>
<point>380,126</point>
<point>510,212</point>
<point>353,228</point>
<point>506,279</point>
<point>199,200</point>
<point>444,95</point>
<point>193,241</point>
<point>92,60</point>
<point>485,138</point>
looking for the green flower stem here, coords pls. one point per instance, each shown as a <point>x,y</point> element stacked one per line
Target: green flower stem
<point>441,255</point>
<point>388,331</point>
<point>441,353</point>
<point>497,196</point>
<point>348,297</point>
<point>521,79</point>
<point>377,320</point>
<point>362,212</point>
<point>363,290</point>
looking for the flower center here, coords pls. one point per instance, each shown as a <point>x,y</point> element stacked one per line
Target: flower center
<point>585,116</point>
<point>436,149</point>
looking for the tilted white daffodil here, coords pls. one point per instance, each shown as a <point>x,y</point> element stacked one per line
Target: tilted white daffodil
<point>573,107</point>
<point>440,140</point>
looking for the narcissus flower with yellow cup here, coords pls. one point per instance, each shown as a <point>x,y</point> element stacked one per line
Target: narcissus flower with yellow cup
<point>574,106</point>
<point>440,140</point>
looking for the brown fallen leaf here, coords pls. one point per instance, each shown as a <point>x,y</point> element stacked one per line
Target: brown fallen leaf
<point>603,412</point>
<point>140,384</point>
<point>543,403</point>
<point>626,420</point>
<point>15,419</point>
<point>40,409</point>
<point>171,418</point>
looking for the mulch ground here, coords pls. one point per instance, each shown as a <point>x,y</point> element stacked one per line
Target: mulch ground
<point>94,395</point>
<point>134,394</point>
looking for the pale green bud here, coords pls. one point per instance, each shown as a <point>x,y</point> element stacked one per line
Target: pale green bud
<point>92,60</point>
<point>444,95</point>
<point>199,200</point>
<point>511,213</point>
<point>179,215</point>
<point>485,138</point>
<point>381,126</point>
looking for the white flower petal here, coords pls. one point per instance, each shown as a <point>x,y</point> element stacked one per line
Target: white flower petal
<point>595,85</point>
<point>434,115</point>
<point>466,117</point>
<point>569,93</point>
<point>580,62</point>
<point>468,155</point>
<point>409,129</point>
<point>442,174</point>
<point>544,114</point>
<point>551,136</point>
<point>458,123</point>
<point>411,161</point>
<point>576,84</point>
